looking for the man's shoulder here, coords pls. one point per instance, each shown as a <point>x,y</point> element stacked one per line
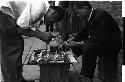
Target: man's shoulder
<point>100,11</point>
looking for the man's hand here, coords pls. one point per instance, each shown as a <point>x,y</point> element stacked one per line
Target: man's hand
<point>45,36</point>
<point>71,39</point>
<point>73,43</point>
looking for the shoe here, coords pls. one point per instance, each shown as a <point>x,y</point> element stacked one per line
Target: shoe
<point>23,80</point>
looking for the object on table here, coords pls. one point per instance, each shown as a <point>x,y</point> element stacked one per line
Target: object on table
<point>57,53</point>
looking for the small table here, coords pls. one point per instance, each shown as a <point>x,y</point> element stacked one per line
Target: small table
<point>57,71</point>
<point>54,72</point>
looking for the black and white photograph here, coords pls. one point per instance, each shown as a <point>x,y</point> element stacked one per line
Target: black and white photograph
<point>61,41</point>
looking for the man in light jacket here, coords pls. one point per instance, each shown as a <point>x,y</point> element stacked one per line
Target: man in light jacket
<point>16,19</point>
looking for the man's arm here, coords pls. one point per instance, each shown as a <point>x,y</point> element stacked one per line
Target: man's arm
<point>82,35</point>
<point>45,36</point>
<point>8,25</point>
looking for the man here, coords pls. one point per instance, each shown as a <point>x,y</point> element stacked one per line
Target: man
<point>16,18</point>
<point>101,37</point>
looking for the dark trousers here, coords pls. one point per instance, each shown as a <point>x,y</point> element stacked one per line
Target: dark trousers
<point>107,52</point>
<point>108,69</point>
<point>11,62</point>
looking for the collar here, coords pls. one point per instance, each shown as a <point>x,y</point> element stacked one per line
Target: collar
<point>90,14</point>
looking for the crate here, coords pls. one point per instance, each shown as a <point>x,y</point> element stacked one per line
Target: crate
<point>54,72</point>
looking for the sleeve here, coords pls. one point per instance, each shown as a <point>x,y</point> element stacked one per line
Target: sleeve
<point>8,24</point>
<point>82,35</point>
<point>24,19</point>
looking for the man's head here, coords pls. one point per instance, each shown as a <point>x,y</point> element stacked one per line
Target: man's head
<point>54,14</point>
<point>51,3</point>
<point>83,9</point>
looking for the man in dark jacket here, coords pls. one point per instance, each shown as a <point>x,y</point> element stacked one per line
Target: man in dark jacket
<point>102,38</point>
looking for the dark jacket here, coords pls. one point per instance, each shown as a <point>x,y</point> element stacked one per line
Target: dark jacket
<point>10,37</point>
<point>101,28</point>
<point>12,46</point>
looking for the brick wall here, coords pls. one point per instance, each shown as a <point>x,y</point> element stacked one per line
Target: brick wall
<point>113,7</point>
